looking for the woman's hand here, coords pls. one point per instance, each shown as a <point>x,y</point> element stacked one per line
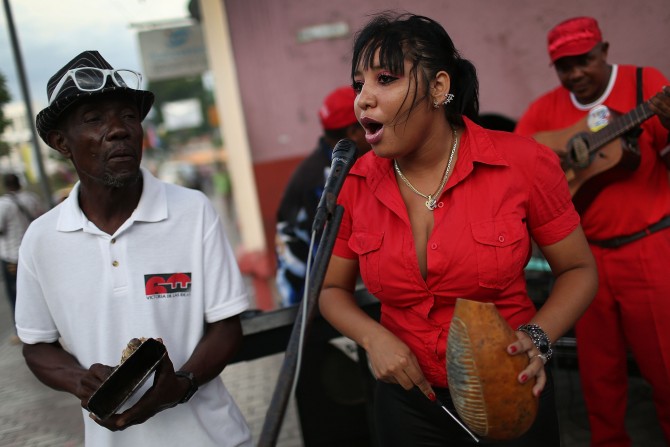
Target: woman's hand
<point>392,361</point>
<point>575,285</point>
<point>535,368</point>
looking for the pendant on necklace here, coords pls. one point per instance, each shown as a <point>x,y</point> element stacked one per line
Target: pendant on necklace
<point>431,203</point>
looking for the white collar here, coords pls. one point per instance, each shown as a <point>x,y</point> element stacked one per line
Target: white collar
<point>603,97</point>
<point>152,207</point>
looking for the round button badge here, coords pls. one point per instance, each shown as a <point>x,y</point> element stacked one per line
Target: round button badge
<point>598,117</point>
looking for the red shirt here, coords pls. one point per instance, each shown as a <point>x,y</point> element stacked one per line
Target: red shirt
<point>628,205</point>
<point>503,190</point>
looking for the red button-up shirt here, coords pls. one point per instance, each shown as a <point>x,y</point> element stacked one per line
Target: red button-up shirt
<point>504,190</point>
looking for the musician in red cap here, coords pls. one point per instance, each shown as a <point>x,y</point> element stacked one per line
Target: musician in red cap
<point>303,192</point>
<point>620,186</point>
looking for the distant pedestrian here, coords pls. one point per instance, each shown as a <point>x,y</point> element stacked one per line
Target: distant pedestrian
<point>18,208</point>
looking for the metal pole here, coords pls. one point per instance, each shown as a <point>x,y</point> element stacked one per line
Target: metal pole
<point>287,374</point>
<point>44,181</point>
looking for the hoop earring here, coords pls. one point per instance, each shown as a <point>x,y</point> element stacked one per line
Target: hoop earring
<point>450,97</point>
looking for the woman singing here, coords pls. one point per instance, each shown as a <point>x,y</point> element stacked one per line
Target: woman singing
<point>442,209</point>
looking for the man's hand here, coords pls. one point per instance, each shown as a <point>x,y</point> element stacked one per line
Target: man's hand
<point>212,353</point>
<point>91,380</point>
<point>167,390</point>
<point>660,105</point>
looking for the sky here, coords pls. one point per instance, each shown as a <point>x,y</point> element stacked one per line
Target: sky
<point>51,32</point>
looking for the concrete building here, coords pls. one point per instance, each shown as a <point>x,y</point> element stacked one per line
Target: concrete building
<point>18,136</point>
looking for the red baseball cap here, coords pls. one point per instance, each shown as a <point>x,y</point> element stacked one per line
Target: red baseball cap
<point>573,37</point>
<point>337,110</point>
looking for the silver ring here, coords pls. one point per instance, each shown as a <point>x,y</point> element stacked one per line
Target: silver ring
<point>542,357</point>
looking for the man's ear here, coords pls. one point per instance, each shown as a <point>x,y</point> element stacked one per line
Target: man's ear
<point>604,47</point>
<point>57,141</point>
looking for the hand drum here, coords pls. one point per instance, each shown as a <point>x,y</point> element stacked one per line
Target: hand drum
<point>482,376</point>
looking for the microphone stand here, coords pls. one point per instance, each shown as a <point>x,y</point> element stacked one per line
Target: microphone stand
<point>275,413</point>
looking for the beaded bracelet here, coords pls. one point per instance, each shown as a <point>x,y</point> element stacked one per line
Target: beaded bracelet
<point>539,337</point>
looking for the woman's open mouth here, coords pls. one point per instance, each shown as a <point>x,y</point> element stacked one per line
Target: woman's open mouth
<point>373,130</point>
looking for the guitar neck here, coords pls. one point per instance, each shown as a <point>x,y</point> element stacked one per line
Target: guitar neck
<point>621,125</point>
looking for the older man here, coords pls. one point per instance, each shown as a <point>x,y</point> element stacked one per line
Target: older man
<point>127,256</point>
<point>621,188</point>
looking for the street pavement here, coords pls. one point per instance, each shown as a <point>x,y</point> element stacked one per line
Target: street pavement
<point>32,415</point>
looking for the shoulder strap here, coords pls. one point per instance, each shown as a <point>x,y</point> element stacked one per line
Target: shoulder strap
<point>640,96</point>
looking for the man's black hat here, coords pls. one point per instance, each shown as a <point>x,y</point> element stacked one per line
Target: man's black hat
<point>70,94</point>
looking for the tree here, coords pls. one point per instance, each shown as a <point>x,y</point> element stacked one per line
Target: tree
<point>5,97</point>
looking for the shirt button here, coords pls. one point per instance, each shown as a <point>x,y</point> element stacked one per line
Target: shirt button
<point>113,241</point>
<point>115,263</point>
<point>433,246</point>
<point>440,204</point>
<point>501,238</point>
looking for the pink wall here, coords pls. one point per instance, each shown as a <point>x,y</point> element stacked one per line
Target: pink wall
<point>283,81</point>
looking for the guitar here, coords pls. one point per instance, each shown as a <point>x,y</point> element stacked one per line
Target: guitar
<point>593,152</point>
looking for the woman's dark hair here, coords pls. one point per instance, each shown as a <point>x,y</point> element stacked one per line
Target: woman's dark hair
<point>426,44</point>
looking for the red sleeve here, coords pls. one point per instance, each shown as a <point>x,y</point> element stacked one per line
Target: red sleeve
<point>552,214</point>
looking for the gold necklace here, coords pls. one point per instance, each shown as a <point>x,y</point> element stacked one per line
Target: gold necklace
<point>431,199</point>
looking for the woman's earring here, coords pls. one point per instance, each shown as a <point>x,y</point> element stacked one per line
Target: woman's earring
<point>450,97</point>
<point>436,105</point>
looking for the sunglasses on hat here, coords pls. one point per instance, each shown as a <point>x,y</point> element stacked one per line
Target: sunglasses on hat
<point>91,79</point>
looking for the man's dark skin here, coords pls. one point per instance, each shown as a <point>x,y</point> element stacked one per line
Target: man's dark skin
<point>586,76</point>
<point>103,139</point>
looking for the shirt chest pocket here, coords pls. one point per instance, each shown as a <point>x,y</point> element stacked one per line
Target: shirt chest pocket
<point>501,246</point>
<point>368,247</point>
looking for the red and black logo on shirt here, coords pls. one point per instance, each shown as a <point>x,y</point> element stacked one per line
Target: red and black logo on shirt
<point>167,285</point>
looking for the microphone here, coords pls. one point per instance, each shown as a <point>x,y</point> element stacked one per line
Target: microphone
<point>344,156</point>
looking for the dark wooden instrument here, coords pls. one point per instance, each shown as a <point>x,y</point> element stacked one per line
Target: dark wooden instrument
<point>594,159</point>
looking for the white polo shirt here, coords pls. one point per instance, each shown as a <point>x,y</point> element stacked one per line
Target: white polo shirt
<point>164,273</point>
